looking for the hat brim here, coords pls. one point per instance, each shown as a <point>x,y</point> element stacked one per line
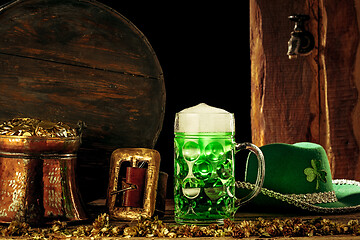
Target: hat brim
<point>347,193</point>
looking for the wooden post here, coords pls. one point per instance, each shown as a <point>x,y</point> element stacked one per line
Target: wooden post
<point>311,98</point>
<point>342,69</point>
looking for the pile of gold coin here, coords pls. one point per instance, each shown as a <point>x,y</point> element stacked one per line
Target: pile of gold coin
<point>35,127</point>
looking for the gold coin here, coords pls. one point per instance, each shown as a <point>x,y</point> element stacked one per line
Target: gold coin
<point>35,127</point>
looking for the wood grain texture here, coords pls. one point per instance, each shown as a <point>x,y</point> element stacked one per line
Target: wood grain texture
<point>83,33</point>
<point>312,98</point>
<point>283,91</point>
<point>356,75</point>
<point>342,42</point>
<point>75,60</point>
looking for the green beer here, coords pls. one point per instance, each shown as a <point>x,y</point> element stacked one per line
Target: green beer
<point>204,177</point>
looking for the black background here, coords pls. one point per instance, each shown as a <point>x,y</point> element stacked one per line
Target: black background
<point>204,53</point>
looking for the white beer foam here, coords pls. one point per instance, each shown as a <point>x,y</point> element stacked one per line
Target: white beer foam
<point>204,118</point>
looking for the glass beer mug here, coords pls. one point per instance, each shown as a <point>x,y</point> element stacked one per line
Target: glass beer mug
<point>204,180</point>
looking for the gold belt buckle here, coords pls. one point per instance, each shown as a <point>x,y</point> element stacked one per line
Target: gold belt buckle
<point>135,157</point>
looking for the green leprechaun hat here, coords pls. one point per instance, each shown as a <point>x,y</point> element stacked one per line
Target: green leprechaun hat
<point>298,176</point>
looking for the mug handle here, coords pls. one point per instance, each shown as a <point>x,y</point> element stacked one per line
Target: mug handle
<point>260,175</point>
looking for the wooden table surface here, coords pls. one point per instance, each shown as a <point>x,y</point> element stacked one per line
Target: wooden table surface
<point>242,215</point>
<point>97,207</point>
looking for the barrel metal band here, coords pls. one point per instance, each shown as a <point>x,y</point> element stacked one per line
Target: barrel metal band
<point>40,155</point>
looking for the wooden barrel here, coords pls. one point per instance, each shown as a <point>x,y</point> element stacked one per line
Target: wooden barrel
<point>70,60</point>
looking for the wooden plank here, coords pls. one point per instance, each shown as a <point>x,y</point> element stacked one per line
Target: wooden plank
<point>312,98</point>
<point>285,96</point>
<point>102,99</point>
<point>356,111</point>
<point>343,83</point>
<point>85,33</point>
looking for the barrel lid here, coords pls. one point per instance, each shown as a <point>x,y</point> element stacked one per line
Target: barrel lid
<point>73,60</point>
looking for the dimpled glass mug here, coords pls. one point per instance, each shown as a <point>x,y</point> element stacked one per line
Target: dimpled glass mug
<point>204,180</point>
